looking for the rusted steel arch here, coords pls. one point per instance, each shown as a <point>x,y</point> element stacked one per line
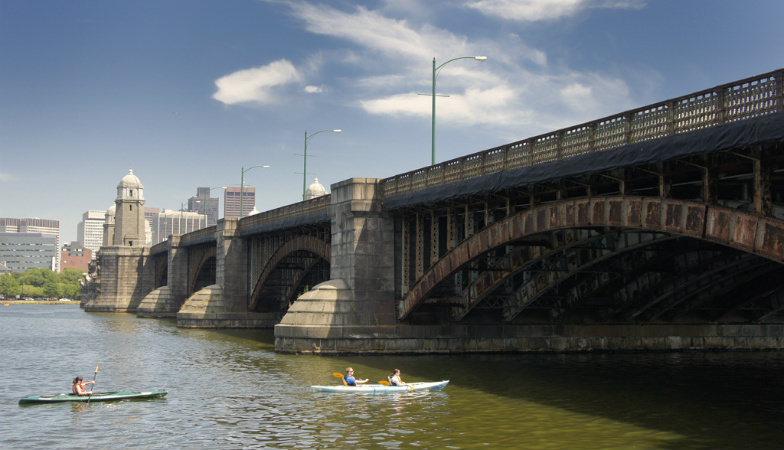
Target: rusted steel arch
<point>594,247</point>
<point>300,243</point>
<point>204,260</point>
<point>759,235</point>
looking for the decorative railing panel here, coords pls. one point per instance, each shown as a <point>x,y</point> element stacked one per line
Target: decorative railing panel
<point>740,100</point>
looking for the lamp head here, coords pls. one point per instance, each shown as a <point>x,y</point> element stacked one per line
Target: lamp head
<point>337,131</point>
<point>480,58</point>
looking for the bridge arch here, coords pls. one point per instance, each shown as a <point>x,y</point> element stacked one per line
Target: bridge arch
<point>204,273</point>
<point>659,219</point>
<point>297,257</point>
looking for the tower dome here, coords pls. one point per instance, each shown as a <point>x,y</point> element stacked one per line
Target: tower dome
<point>110,213</point>
<point>315,190</point>
<point>130,187</point>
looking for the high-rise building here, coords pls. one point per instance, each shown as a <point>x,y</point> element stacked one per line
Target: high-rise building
<point>202,203</point>
<point>45,227</point>
<point>171,222</point>
<point>21,251</point>
<point>233,201</point>
<point>89,232</point>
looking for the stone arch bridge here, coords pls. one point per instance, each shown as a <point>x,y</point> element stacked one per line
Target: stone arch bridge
<point>658,228</point>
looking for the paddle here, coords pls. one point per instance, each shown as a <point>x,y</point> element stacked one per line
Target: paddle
<point>94,375</point>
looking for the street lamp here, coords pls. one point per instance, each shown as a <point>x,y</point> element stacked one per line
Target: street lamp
<point>242,185</point>
<point>436,69</point>
<point>305,158</point>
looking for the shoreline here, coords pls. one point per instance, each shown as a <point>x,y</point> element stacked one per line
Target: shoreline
<point>38,302</point>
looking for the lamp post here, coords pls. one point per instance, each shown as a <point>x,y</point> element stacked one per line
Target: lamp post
<point>305,158</point>
<point>436,69</point>
<point>242,186</point>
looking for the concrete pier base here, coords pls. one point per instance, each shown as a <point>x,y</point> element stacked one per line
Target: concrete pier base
<point>158,303</point>
<point>424,339</point>
<point>207,309</point>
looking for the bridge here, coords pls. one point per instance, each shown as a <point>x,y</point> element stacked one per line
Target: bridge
<point>659,228</point>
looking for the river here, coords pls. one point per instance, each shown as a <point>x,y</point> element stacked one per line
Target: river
<point>228,389</point>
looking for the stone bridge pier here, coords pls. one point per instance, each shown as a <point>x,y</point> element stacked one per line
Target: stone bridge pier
<point>355,310</point>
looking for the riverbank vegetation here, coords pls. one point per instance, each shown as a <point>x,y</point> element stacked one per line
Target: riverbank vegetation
<point>41,283</point>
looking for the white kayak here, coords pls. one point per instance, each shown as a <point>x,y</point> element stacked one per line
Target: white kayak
<point>371,388</point>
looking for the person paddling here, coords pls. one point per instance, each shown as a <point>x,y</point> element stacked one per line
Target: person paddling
<point>350,380</point>
<point>394,378</point>
<point>79,384</point>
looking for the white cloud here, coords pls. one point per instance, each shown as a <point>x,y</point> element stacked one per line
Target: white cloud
<point>543,10</point>
<point>393,60</point>
<point>314,89</point>
<point>255,85</point>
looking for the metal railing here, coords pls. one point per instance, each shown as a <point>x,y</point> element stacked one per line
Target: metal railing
<point>305,208</point>
<point>740,100</point>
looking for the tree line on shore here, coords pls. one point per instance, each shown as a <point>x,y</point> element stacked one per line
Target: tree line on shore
<point>42,283</point>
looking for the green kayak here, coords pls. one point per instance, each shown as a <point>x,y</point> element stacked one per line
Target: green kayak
<point>97,397</point>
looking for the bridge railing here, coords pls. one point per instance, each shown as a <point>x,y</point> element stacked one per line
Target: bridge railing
<point>304,208</point>
<point>732,102</point>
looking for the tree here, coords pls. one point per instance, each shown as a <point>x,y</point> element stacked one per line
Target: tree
<point>52,289</point>
<point>9,286</point>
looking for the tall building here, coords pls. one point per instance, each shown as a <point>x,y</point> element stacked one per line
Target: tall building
<point>89,232</point>
<point>21,251</point>
<point>233,202</point>
<point>202,203</point>
<point>77,256</point>
<point>169,222</point>
<point>45,227</point>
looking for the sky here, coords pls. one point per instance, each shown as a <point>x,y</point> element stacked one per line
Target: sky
<point>190,93</point>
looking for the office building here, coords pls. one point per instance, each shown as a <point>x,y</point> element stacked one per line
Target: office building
<point>233,201</point>
<point>202,203</point>
<point>89,232</point>
<point>46,227</point>
<point>170,222</point>
<point>23,251</point>
<point>77,256</point>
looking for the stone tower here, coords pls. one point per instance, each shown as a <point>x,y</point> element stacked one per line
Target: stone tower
<point>129,212</point>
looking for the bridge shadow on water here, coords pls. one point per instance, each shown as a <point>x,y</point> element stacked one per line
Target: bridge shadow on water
<point>710,400</point>
<point>691,399</point>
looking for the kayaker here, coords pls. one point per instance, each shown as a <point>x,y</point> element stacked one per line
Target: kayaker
<point>350,380</point>
<point>394,378</point>
<point>78,386</point>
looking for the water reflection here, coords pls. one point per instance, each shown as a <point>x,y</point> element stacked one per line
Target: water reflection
<point>228,389</point>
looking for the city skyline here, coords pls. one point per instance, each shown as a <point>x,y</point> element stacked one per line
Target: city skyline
<point>189,94</point>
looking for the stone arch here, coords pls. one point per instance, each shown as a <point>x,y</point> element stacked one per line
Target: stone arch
<point>751,233</point>
<point>306,243</point>
<point>204,273</point>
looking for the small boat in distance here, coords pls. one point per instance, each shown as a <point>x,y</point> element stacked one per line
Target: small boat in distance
<point>97,397</point>
<point>381,388</point>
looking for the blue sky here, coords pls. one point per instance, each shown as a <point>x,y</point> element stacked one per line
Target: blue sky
<point>188,92</point>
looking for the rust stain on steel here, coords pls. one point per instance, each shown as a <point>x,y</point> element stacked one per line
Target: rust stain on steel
<point>570,214</point>
<point>653,214</point>
<point>744,231</point>
<point>633,212</point>
<point>772,244</point>
<point>695,220</point>
<point>718,225</point>
<point>615,212</point>
<point>583,212</point>
<point>673,216</point>
<point>597,213</point>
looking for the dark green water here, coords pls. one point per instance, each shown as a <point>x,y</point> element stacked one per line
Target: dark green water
<point>228,389</point>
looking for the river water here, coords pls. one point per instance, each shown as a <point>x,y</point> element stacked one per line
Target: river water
<point>228,389</point>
